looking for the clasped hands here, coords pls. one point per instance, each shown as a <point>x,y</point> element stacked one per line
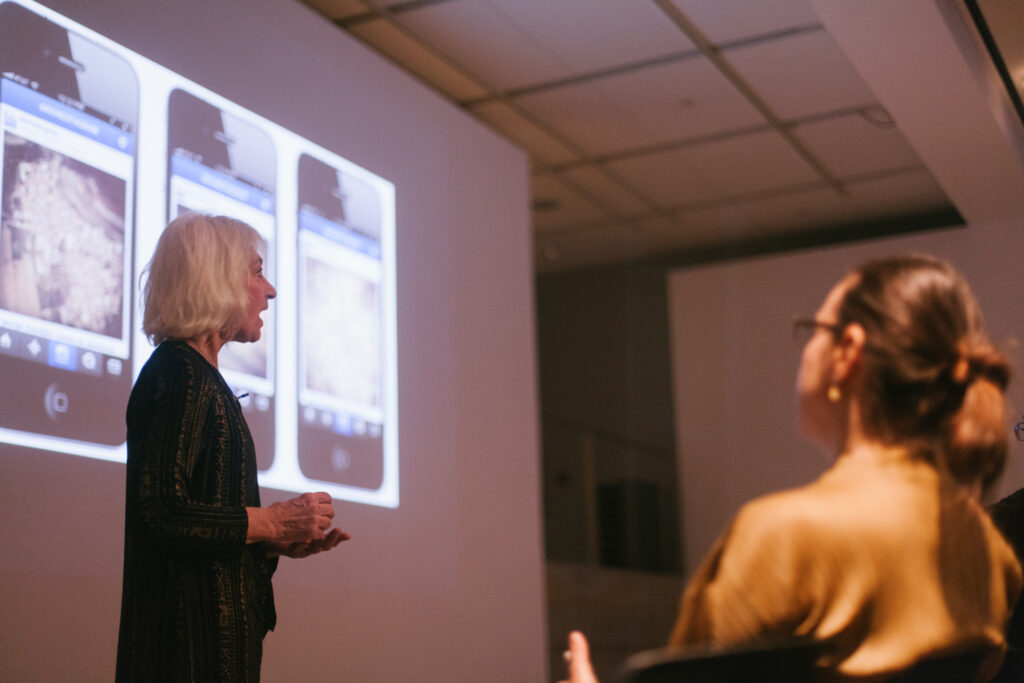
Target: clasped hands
<point>296,528</point>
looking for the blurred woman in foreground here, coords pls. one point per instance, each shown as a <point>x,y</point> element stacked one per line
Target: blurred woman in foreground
<point>888,557</point>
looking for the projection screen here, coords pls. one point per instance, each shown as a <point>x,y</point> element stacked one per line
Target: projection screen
<point>101,148</point>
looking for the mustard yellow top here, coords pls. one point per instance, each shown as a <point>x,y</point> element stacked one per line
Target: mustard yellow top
<point>881,556</point>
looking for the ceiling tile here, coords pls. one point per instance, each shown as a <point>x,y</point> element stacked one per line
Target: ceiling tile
<point>904,193</point>
<point>616,242</point>
<point>857,144</point>
<point>909,193</point>
<point>612,193</point>
<point>801,75</point>
<point>725,21</point>
<point>652,236</point>
<point>515,44</point>
<point>714,171</point>
<point>674,101</point>
<point>414,58</point>
<point>661,121</point>
<point>592,35</point>
<point>512,45</point>
<point>343,9</point>
<point>797,211</point>
<point>567,208</point>
<point>543,148</point>
<point>695,229</point>
<point>481,39</point>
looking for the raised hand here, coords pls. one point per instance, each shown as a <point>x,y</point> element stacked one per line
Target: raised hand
<point>578,657</point>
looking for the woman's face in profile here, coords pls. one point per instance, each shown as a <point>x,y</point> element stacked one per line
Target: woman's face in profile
<point>259,292</point>
<point>818,419</point>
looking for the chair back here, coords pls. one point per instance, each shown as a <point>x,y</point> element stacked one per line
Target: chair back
<point>956,667</point>
<point>788,661</point>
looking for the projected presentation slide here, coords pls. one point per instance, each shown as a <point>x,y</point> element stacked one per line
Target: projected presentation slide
<point>218,163</point>
<point>94,165</point>
<point>341,370</point>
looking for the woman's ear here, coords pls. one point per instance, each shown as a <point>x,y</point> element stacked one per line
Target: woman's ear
<point>848,352</point>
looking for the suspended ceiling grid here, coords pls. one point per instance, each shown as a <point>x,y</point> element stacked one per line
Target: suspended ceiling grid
<point>665,128</point>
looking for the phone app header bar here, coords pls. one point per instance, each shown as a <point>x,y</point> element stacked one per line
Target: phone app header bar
<point>51,110</point>
<point>339,233</point>
<point>222,182</point>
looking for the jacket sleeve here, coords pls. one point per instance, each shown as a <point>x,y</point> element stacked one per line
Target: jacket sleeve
<point>755,583</point>
<point>169,419</point>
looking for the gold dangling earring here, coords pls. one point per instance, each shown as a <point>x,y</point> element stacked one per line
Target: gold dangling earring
<point>834,395</point>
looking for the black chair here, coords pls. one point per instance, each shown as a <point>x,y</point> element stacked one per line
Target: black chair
<point>955,667</point>
<point>1013,667</point>
<point>787,661</point>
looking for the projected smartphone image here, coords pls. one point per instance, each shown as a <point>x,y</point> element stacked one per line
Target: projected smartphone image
<point>340,327</point>
<point>221,164</point>
<point>68,110</point>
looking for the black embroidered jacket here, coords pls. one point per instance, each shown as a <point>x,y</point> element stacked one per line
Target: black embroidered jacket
<point>196,600</point>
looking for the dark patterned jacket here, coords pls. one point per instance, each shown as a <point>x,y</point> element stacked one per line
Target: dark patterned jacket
<point>196,599</point>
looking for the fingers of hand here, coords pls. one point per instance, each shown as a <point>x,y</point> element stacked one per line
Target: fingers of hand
<point>307,517</point>
<point>336,537</point>
<point>323,509</point>
<point>579,658</point>
<point>578,646</point>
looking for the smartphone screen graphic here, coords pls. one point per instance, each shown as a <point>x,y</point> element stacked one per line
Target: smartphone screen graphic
<point>341,360</point>
<point>222,164</point>
<point>68,112</point>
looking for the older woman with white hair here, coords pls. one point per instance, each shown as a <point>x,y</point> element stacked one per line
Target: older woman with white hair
<point>199,549</point>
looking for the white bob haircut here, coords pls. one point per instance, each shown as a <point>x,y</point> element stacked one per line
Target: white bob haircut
<point>196,280</point>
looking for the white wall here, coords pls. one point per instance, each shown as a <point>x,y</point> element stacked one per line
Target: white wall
<point>449,586</point>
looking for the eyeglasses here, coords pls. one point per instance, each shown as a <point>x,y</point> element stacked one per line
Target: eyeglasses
<point>804,329</point>
<point>1018,431</point>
